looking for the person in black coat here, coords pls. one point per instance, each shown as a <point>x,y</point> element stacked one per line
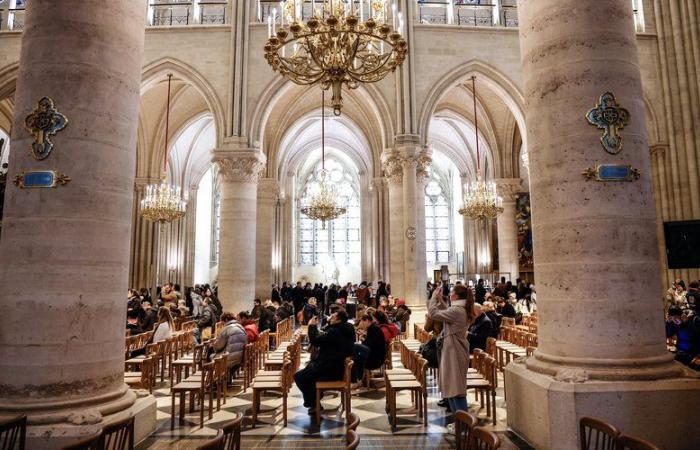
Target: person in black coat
<point>333,346</point>
<point>480,291</point>
<point>480,330</point>
<point>267,318</point>
<point>370,354</point>
<point>490,310</point>
<point>297,295</point>
<point>275,294</point>
<point>285,291</point>
<point>148,317</point>
<point>505,308</point>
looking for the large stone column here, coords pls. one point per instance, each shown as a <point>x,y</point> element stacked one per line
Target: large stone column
<point>393,171</point>
<point>64,257</point>
<point>508,189</point>
<point>240,171</point>
<point>268,194</point>
<point>601,336</point>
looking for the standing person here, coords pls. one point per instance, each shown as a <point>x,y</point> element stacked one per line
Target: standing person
<point>331,297</point>
<point>480,291</point>
<point>454,357</point>
<point>209,293</point>
<point>310,310</point>
<point>207,320</point>
<point>285,291</point>
<point>197,302</point>
<point>297,295</point>
<point>256,313</point>
<point>362,293</point>
<point>333,346</point>
<point>381,291</point>
<point>343,294</point>
<point>275,293</point>
<point>168,296</point>
<point>267,317</point>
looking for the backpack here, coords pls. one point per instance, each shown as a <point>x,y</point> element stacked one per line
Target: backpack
<point>429,352</point>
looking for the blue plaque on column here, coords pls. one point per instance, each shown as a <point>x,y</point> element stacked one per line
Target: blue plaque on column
<point>40,179</point>
<point>611,172</point>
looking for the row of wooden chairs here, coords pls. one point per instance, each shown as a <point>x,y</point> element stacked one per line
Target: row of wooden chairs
<point>227,438</point>
<point>596,434</point>
<point>114,436</point>
<point>284,331</point>
<point>411,378</point>
<point>254,356</point>
<point>483,378</point>
<point>469,436</point>
<point>136,341</point>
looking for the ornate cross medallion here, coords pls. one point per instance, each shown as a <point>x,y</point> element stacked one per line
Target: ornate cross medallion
<point>44,122</point>
<point>610,117</point>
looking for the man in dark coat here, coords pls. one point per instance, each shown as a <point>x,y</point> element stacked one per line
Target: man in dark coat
<point>148,317</point>
<point>480,291</point>
<point>505,308</point>
<point>297,295</point>
<point>275,293</point>
<point>267,318</point>
<point>480,330</point>
<point>370,354</point>
<point>333,346</point>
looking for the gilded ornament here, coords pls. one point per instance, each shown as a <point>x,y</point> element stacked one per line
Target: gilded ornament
<point>611,172</point>
<point>45,121</point>
<point>611,118</point>
<point>40,179</point>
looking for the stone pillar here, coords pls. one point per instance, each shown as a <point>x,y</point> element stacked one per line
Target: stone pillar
<point>64,256</point>
<point>240,171</point>
<point>507,231</point>
<point>393,171</point>
<point>595,243</point>
<point>268,194</point>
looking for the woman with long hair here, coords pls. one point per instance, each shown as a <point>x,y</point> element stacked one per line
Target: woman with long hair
<point>454,354</point>
<point>164,325</point>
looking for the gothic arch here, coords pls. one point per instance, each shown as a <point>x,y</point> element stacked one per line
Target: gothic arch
<point>8,80</point>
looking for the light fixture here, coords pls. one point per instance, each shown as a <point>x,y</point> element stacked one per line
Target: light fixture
<point>481,200</point>
<point>163,202</point>
<point>323,204</point>
<point>338,45</point>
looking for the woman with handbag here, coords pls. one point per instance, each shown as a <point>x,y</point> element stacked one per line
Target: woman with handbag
<point>453,347</point>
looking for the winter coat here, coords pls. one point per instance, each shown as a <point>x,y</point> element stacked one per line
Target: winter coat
<point>251,330</point>
<point>454,357</point>
<point>232,339</point>
<point>480,330</point>
<point>403,315</point>
<point>148,320</point>
<point>208,317</point>
<point>309,312</point>
<point>267,319</point>
<point>377,347</point>
<point>389,330</point>
<point>333,346</point>
<point>196,305</point>
<point>256,313</point>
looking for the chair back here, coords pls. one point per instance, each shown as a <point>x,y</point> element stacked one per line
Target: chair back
<point>214,444</point>
<point>352,440</point>
<point>353,421</point>
<point>148,373</point>
<point>119,435</point>
<point>347,376</point>
<point>464,423</point>
<point>232,434</point>
<point>93,442</point>
<point>625,442</point>
<point>13,432</point>
<point>597,434</point>
<point>483,439</point>
<point>207,379</point>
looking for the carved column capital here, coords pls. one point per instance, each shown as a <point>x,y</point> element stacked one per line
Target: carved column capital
<point>378,184</point>
<point>392,163</point>
<point>241,166</point>
<point>509,188</point>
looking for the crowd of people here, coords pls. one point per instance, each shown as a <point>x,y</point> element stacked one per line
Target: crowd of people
<point>681,305</point>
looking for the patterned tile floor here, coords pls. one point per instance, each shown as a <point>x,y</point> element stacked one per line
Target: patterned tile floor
<point>301,432</point>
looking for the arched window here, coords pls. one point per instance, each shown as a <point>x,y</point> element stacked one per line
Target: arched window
<point>340,240</point>
<point>438,220</point>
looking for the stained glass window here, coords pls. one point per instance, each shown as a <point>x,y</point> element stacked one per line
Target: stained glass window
<point>438,223</point>
<point>341,238</point>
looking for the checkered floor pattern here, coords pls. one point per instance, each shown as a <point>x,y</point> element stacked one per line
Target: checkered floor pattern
<point>302,432</point>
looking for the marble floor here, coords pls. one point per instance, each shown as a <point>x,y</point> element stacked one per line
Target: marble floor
<point>301,432</point>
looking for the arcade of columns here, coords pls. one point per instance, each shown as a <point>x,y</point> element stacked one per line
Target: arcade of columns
<point>597,354</point>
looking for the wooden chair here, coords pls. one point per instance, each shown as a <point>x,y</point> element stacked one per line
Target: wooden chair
<point>343,386</point>
<point>487,382</point>
<point>146,378</point>
<point>217,443</point>
<point>13,432</point>
<point>279,385</point>
<point>625,442</point>
<point>201,387</point>
<point>353,421</point>
<point>483,439</point>
<point>597,434</point>
<point>232,434</point>
<point>415,383</point>
<point>352,439</point>
<point>464,423</point>
<point>119,435</point>
<point>93,442</point>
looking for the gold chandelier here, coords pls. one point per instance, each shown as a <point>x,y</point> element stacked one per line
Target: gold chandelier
<point>163,202</point>
<point>340,44</point>
<point>323,204</point>
<point>481,200</point>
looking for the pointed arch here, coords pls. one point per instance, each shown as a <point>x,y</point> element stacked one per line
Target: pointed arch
<point>8,80</point>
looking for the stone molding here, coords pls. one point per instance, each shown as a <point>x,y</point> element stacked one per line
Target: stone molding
<point>509,188</point>
<point>240,168</point>
<point>268,189</point>
<point>658,149</point>
<point>395,162</point>
<point>392,164</point>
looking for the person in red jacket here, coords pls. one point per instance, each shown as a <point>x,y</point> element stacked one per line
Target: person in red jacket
<point>389,329</point>
<point>251,330</point>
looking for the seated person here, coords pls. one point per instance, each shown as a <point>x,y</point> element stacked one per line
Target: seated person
<point>506,309</point>
<point>132,321</point>
<point>251,329</point>
<point>389,330</point>
<point>164,330</point>
<point>402,315</point>
<point>333,346</point>
<point>182,307</point>
<point>490,310</point>
<point>688,342</point>
<point>371,352</point>
<point>148,317</point>
<point>480,329</point>
<point>232,340</point>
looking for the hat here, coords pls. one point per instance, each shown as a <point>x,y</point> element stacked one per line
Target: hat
<point>400,302</point>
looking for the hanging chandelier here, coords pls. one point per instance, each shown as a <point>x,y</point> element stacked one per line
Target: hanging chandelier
<point>344,42</point>
<point>481,200</point>
<point>163,202</point>
<point>323,205</point>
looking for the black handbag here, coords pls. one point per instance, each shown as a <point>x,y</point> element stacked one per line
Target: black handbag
<point>429,351</point>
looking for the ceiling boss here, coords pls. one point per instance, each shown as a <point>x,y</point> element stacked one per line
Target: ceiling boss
<point>339,42</point>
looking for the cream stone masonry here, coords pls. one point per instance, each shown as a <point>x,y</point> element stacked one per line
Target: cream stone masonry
<point>594,243</point>
<point>268,196</point>
<point>64,256</point>
<point>508,262</point>
<point>240,170</point>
